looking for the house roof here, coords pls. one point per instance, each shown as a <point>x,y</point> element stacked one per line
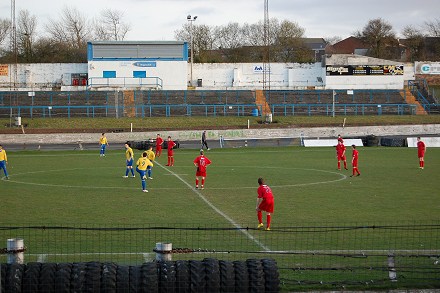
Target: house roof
<point>348,46</point>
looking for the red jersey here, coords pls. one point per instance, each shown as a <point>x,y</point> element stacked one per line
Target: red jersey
<point>267,204</point>
<point>202,162</point>
<point>340,149</point>
<point>159,142</point>
<point>421,146</point>
<point>170,146</point>
<point>355,156</point>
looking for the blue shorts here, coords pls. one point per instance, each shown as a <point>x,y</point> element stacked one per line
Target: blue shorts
<point>103,147</point>
<point>129,162</point>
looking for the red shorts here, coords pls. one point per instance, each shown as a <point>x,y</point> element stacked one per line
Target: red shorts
<point>354,163</point>
<point>421,154</point>
<point>266,206</point>
<point>200,174</point>
<point>170,153</point>
<point>341,158</point>
<point>158,148</point>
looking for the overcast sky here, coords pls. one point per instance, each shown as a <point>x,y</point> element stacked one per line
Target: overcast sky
<point>158,19</point>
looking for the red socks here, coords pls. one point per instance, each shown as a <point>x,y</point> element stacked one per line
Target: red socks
<point>260,217</point>
<point>268,218</point>
<point>339,165</point>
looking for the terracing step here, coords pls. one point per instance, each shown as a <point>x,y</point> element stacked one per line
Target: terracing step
<point>410,99</point>
<point>129,106</point>
<point>260,99</point>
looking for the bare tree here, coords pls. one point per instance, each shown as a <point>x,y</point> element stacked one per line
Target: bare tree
<point>72,28</point>
<point>110,26</point>
<point>253,33</point>
<point>379,35</point>
<point>5,26</point>
<point>433,27</point>
<point>26,34</point>
<point>414,41</point>
<point>289,46</point>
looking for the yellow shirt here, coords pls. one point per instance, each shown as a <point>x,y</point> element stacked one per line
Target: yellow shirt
<point>3,156</point>
<point>150,155</point>
<point>103,140</point>
<point>129,153</point>
<point>143,162</point>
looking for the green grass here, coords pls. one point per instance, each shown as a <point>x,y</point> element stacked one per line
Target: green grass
<point>142,124</point>
<point>81,190</point>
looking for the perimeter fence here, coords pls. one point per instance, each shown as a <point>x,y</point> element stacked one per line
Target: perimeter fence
<point>319,256</point>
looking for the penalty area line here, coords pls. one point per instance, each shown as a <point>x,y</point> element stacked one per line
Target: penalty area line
<point>217,210</point>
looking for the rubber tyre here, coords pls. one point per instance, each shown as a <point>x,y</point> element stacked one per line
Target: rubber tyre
<point>241,277</point>
<point>271,275</point>
<point>135,275</point>
<point>197,276</point>
<point>3,270</point>
<point>93,277</point>
<point>182,276</point>
<point>78,277</point>
<point>47,277</point>
<point>167,276</point>
<point>149,277</point>
<point>31,277</point>
<point>14,278</point>
<point>108,278</point>
<point>256,275</point>
<point>227,276</point>
<point>63,278</point>
<point>212,272</point>
<point>122,279</point>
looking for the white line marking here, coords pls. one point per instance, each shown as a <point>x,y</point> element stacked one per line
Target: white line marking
<point>211,205</point>
<point>42,257</point>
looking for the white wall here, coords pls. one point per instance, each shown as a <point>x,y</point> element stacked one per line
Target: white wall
<point>40,75</point>
<point>250,75</point>
<point>172,73</point>
<point>395,82</point>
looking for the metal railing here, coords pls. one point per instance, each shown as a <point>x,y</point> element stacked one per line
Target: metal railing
<point>149,82</point>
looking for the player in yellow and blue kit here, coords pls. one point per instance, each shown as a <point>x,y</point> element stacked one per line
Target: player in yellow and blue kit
<point>3,161</point>
<point>103,142</point>
<point>151,156</point>
<point>129,157</point>
<point>142,164</point>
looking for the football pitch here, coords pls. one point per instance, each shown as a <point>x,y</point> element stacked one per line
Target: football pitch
<point>80,189</point>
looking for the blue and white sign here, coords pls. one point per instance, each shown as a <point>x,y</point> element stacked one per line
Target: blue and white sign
<point>260,69</point>
<point>428,68</point>
<point>145,64</point>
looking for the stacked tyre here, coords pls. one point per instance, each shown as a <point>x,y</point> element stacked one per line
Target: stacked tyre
<point>207,275</point>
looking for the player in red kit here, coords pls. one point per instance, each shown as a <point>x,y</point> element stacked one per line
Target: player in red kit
<point>340,138</point>
<point>170,147</point>
<point>201,162</point>
<point>354,161</point>
<point>265,202</point>
<point>340,154</point>
<point>159,142</point>
<point>421,149</point>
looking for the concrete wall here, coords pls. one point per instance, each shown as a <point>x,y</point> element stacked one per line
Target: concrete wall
<point>224,76</point>
<point>36,76</point>
<point>172,73</point>
<point>250,75</point>
<point>193,135</point>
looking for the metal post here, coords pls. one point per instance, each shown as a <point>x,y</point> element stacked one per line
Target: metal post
<point>163,251</point>
<point>333,103</point>
<point>191,20</point>
<point>15,248</point>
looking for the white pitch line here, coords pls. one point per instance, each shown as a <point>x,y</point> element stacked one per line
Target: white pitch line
<point>211,205</point>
